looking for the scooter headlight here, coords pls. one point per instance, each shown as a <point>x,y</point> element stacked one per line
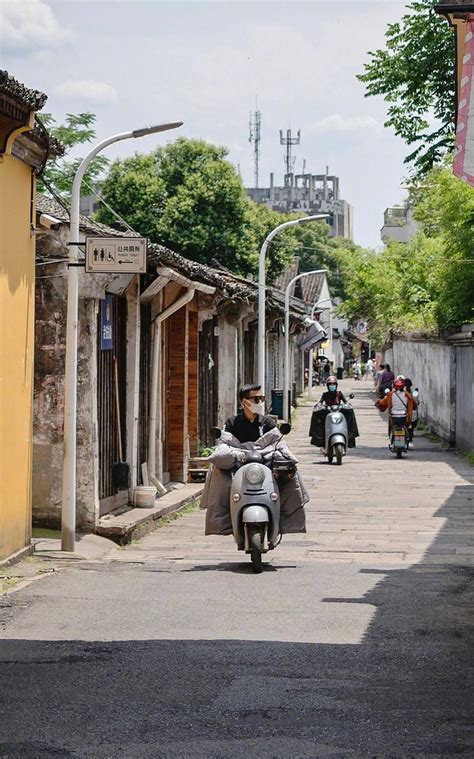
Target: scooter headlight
<point>255,474</point>
<point>337,418</point>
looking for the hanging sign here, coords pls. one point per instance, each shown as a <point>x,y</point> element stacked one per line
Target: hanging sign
<point>107,323</point>
<point>116,255</point>
<point>361,327</point>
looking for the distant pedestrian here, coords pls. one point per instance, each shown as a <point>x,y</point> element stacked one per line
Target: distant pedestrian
<point>369,369</point>
<point>386,380</point>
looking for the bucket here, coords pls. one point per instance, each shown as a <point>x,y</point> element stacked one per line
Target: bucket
<point>144,496</point>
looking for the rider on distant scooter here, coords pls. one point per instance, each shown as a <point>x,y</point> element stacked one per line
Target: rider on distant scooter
<point>399,402</point>
<point>332,397</point>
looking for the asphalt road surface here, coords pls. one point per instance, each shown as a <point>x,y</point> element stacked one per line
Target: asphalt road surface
<point>356,641</point>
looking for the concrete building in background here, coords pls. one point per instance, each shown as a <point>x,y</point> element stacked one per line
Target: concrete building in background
<point>398,224</point>
<point>308,194</point>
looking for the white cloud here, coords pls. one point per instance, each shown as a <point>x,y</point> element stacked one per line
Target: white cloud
<point>29,25</point>
<point>88,91</point>
<point>344,124</point>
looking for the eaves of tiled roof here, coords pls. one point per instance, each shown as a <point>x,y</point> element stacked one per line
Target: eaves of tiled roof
<point>32,99</point>
<point>41,135</point>
<point>52,207</point>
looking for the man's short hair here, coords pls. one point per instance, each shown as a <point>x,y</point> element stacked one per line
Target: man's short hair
<point>246,389</point>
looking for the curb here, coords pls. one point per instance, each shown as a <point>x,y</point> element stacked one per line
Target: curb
<point>137,523</point>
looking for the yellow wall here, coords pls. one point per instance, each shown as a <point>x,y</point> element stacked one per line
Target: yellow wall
<point>17,253</point>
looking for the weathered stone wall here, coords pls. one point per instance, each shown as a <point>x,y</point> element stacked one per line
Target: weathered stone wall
<point>431,366</point>
<point>48,408</point>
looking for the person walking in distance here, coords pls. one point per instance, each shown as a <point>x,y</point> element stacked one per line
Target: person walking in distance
<point>386,381</point>
<point>369,369</point>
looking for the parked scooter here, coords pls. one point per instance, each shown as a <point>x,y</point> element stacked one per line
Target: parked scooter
<point>255,501</point>
<point>336,434</point>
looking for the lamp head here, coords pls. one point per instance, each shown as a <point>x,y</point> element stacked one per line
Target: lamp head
<point>156,128</point>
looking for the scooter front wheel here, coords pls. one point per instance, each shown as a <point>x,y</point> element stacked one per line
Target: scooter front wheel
<point>339,450</point>
<point>256,550</point>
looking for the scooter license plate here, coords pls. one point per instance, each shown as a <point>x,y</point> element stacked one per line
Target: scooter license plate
<point>399,438</point>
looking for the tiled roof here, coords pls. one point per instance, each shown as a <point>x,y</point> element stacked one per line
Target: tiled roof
<point>52,207</point>
<point>285,277</point>
<point>311,287</point>
<point>40,135</point>
<point>33,99</point>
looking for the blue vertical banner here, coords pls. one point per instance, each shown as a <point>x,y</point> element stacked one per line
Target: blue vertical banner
<point>107,323</point>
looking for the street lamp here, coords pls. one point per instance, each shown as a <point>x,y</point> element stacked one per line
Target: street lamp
<point>68,515</point>
<point>261,288</point>
<point>286,379</point>
<point>311,352</point>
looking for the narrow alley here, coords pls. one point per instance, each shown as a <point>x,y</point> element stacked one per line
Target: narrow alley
<point>356,640</point>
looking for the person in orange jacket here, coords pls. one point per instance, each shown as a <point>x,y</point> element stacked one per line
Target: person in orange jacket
<point>399,402</point>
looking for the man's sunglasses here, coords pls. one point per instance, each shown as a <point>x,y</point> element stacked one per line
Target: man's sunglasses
<point>258,398</point>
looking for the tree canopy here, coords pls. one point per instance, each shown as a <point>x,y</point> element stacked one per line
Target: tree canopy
<point>58,175</point>
<point>415,76</point>
<point>426,284</point>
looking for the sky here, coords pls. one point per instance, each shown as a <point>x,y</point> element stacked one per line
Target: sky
<point>134,63</point>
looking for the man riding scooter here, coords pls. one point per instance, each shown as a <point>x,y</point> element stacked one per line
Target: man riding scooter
<point>253,466</point>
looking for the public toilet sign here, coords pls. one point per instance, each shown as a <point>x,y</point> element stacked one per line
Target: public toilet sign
<point>108,255</point>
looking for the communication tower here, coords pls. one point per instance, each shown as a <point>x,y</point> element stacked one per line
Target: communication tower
<point>289,141</point>
<point>254,138</point>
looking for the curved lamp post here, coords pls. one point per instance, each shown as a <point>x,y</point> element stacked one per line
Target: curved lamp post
<point>286,380</point>
<point>261,288</point>
<point>68,514</point>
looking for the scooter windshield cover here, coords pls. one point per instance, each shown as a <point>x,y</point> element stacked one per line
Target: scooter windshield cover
<point>255,473</point>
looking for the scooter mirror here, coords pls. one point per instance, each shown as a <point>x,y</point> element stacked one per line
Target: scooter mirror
<point>216,432</point>
<point>285,428</point>
<point>351,395</point>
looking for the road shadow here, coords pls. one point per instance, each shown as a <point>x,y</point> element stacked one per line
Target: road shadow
<point>404,690</point>
<point>239,568</point>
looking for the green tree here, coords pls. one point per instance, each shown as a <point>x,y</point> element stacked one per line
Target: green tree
<point>415,76</point>
<point>134,190</point>
<point>57,176</point>
<point>444,205</point>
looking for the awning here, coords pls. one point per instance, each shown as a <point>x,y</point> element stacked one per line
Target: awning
<point>315,335</point>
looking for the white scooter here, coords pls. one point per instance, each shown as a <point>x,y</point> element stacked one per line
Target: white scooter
<point>336,433</point>
<point>255,501</point>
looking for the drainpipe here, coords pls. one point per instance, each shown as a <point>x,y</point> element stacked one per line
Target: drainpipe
<point>154,422</point>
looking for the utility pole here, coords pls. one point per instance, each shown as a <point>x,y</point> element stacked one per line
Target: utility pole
<point>289,141</point>
<point>254,138</point>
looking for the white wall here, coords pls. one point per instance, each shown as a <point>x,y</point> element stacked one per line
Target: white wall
<point>431,367</point>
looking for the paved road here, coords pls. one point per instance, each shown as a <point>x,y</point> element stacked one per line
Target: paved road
<point>356,641</point>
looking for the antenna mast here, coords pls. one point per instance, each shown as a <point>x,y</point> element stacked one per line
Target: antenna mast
<point>254,138</point>
<point>289,141</point>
